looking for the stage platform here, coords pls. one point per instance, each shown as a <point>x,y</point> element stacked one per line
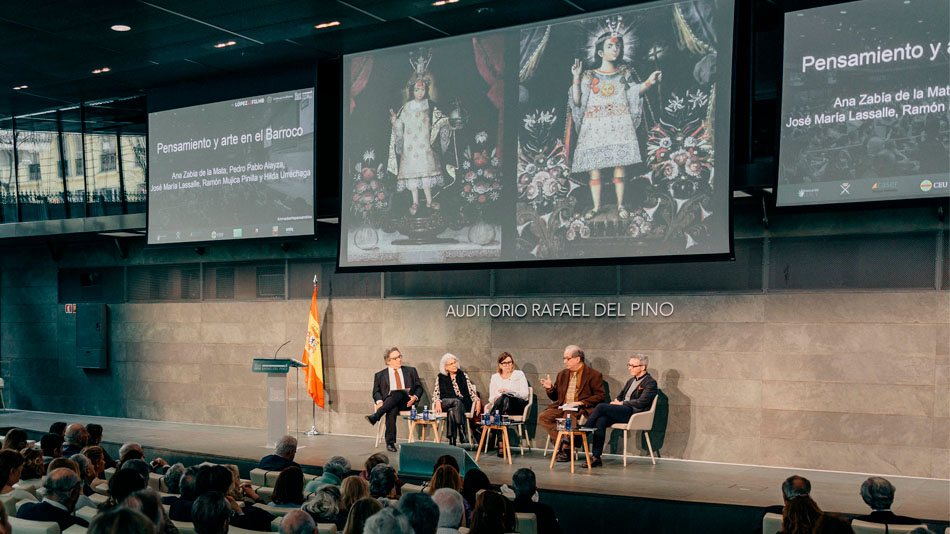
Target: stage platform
<point>732,492</point>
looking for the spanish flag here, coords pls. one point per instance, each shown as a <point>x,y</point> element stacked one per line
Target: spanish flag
<point>312,355</point>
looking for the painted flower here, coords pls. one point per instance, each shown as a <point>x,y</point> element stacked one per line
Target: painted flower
<point>469,176</point>
<point>467,189</point>
<point>666,142</point>
<point>466,164</point>
<point>381,196</point>
<point>689,142</point>
<point>356,198</point>
<point>375,184</point>
<point>680,157</point>
<point>494,162</point>
<point>532,191</point>
<point>360,187</point>
<point>585,231</point>
<point>482,198</point>
<point>541,177</point>
<point>530,168</point>
<point>481,137</point>
<point>670,170</point>
<point>571,234</point>
<point>694,167</point>
<point>550,187</point>
<point>369,155</point>
<point>494,195</point>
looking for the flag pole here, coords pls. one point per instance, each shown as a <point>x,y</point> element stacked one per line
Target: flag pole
<point>313,407</point>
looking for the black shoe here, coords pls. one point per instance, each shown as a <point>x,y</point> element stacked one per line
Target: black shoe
<point>371,420</point>
<point>452,440</point>
<point>463,439</point>
<point>391,447</point>
<point>563,455</point>
<point>501,452</point>
<point>595,462</point>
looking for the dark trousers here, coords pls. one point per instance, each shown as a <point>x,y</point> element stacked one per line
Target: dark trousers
<point>390,408</point>
<point>455,415</point>
<point>508,405</point>
<point>604,415</point>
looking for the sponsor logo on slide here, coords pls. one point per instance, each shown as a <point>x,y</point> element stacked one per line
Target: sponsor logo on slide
<point>238,232</point>
<point>845,189</point>
<point>808,193</point>
<point>884,186</point>
<point>941,185</point>
<point>275,230</point>
<point>926,185</point>
<point>214,235</point>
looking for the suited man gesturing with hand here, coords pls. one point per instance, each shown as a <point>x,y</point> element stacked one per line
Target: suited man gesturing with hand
<point>395,388</point>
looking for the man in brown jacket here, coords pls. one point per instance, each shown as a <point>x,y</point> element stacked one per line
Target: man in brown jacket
<point>577,385</point>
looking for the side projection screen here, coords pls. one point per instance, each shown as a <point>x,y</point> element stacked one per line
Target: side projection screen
<point>237,169</point>
<point>599,137</point>
<point>865,92</point>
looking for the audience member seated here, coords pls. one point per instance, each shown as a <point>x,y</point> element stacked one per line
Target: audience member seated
<point>62,491</point>
<point>33,466</point>
<point>283,456</point>
<point>94,430</point>
<point>445,476</point>
<point>96,455</point>
<point>373,461</point>
<point>218,479</point>
<point>352,489</point>
<point>148,502</point>
<point>52,445</point>
<point>180,507</point>
<point>74,439</point>
<point>878,493</point>
<point>382,483</point>
<point>240,490</point>
<point>421,511</point>
<point>138,465</point>
<point>15,439</point>
<point>86,472</point>
<point>800,513</point>
<point>11,467</point>
<point>58,428</point>
<point>832,524</point>
<point>507,393</point>
<point>360,512</point>
<point>297,522</point>
<point>492,514</point>
<point>288,489</point>
<point>122,520</point>
<point>525,485</point>
<point>124,483</point>
<point>446,459</point>
<point>5,527</point>
<point>211,513</point>
<point>475,481</point>
<point>333,472</point>
<point>579,386</point>
<point>388,521</point>
<point>451,510</point>
<point>455,395</point>
<point>172,479</point>
<point>134,451</point>
<point>324,506</point>
<point>83,500</point>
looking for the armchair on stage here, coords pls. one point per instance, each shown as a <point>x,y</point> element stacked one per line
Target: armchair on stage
<point>277,398</point>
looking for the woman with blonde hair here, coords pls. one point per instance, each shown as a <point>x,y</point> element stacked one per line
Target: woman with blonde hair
<point>361,511</point>
<point>445,477</point>
<point>352,489</point>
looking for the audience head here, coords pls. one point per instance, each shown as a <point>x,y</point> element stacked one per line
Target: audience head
<point>286,447</point>
<point>215,478</point>
<point>832,524</point>
<point>124,483</point>
<point>360,512</point>
<point>15,439</point>
<point>505,360</point>
<point>446,459</point>
<point>138,465</point>
<point>52,445</point>
<point>337,465</point>
<point>524,483</point>
<point>131,447</point>
<point>795,486</point>
<point>878,493</point>
<point>450,506</point>
<point>11,467</point>
<point>149,503</point>
<point>97,456</point>
<point>387,521</point>
<point>324,504</point>
<point>33,466</point>
<point>352,489</point>
<point>445,476</point>
<point>421,511</point>
<point>800,515</point>
<point>86,470</point>
<point>297,522</point>
<point>488,517</point>
<point>121,521</point>
<point>382,480</point>
<point>173,478</point>
<point>188,485</point>
<point>210,513</point>
<point>393,357</point>
<point>288,489</point>
<point>475,480</point>
<point>94,432</point>
<point>58,428</point>
<point>62,486</point>
<point>374,460</point>
<point>62,462</point>
<point>76,435</point>
<point>235,490</point>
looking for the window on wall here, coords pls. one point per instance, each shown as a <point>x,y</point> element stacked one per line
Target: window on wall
<point>103,181</point>
<point>132,150</point>
<point>39,174</point>
<point>8,196</point>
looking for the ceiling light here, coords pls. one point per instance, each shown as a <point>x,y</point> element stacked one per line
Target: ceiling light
<point>323,25</point>
<point>120,27</point>
<point>444,2</point>
<point>102,70</point>
<point>17,88</point>
<point>225,44</point>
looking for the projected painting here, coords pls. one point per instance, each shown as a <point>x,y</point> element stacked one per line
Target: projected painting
<point>423,179</point>
<point>617,150</point>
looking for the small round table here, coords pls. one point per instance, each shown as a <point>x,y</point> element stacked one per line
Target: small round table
<point>506,445</point>
<point>432,421</point>
<point>572,433</point>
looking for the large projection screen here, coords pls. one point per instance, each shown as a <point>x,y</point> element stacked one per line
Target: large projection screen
<point>865,92</point>
<point>516,145</point>
<point>237,169</point>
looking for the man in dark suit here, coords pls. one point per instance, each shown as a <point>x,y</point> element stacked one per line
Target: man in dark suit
<point>878,493</point>
<point>62,492</point>
<point>577,385</point>
<point>395,388</point>
<point>283,456</point>
<point>75,439</point>
<point>636,396</point>
<point>525,484</point>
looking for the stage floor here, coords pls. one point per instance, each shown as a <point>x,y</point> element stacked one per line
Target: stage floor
<point>675,480</point>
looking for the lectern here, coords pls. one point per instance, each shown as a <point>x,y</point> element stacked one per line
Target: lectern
<point>277,387</point>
